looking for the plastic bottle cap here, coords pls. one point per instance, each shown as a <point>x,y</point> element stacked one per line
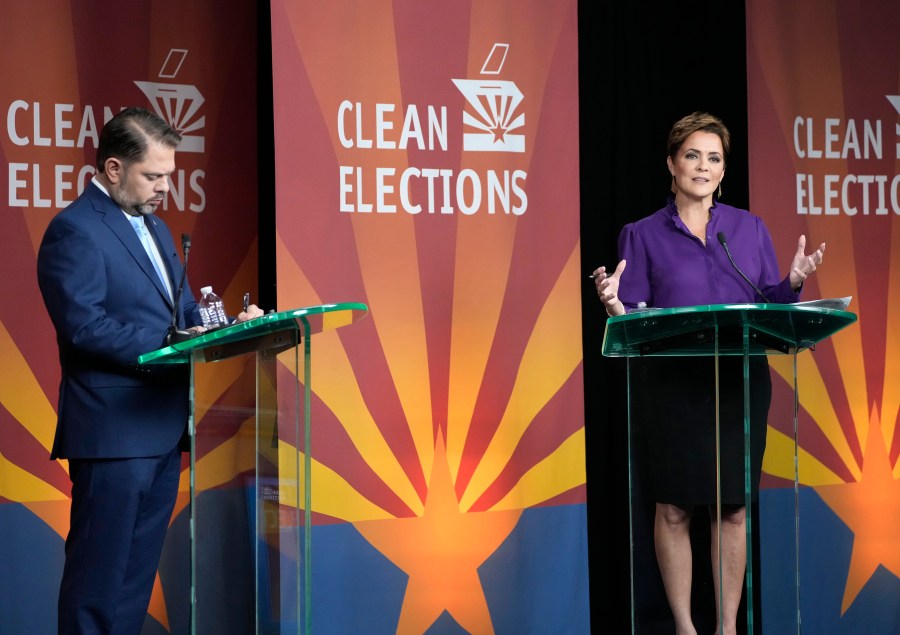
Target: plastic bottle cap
<point>205,290</point>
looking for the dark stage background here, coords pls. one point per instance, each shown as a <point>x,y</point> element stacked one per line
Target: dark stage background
<point>640,70</point>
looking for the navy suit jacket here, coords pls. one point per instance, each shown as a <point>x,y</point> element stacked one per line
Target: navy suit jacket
<point>108,307</point>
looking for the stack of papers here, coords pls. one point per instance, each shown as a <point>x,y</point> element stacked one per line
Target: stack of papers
<point>840,304</point>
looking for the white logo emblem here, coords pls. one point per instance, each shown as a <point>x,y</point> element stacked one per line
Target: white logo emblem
<point>494,102</point>
<point>177,103</point>
<point>895,102</point>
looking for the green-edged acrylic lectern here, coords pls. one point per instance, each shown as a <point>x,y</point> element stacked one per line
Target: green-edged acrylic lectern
<point>267,525</point>
<point>715,330</point>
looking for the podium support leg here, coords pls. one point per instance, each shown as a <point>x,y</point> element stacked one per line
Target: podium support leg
<point>307,475</point>
<point>720,605</point>
<point>748,484</point>
<point>796,495</point>
<point>192,538</point>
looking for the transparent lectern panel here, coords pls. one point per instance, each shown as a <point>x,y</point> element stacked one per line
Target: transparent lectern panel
<point>681,363</point>
<point>249,490</point>
<point>280,528</point>
<point>248,513</point>
<point>688,462</point>
<point>223,506</point>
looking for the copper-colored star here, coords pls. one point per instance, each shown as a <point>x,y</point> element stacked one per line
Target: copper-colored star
<point>441,552</point>
<point>871,509</point>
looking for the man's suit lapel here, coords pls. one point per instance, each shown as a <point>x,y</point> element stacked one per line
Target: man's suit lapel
<point>165,252</point>
<point>115,220</point>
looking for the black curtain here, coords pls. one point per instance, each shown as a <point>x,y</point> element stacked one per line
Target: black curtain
<point>641,68</point>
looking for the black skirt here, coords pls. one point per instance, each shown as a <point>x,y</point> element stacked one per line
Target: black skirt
<point>672,403</point>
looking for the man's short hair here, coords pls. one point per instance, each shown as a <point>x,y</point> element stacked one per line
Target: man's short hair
<point>127,135</point>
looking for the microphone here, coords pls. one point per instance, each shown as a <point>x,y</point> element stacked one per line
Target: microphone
<point>721,237</point>
<point>174,335</point>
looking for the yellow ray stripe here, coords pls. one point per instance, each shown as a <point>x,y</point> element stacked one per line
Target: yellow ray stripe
<point>362,57</point>
<point>234,456</point>
<point>393,289</point>
<point>552,353</point>
<point>484,254</point>
<point>21,394</point>
<point>836,278</point>
<point>331,493</point>
<point>386,243</point>
<point>848,349</point>
<point>219,466</point>
<point>559,472</point>
<point>815,399</point>
<point>212,379</point>
<point>21,486</point>
<point>334,381</point>
<point>890,392</point>
<point>779,461</point>
<point>244,279</point>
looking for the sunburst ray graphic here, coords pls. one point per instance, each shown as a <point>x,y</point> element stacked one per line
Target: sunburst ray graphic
<point>502,473</point>
<point>354,441</point>
<point>803,67</point>
<point>548,365</point>
<point>458,398</point>
<point>847,452</point>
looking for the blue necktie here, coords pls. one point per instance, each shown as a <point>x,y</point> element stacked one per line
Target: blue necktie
<point>144,236</point>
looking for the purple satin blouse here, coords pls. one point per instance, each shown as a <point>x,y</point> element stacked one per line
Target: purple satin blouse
<point>667,266</point>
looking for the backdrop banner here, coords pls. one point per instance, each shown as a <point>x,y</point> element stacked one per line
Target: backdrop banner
<point>427,165</point>
<point>66,68</point>
<point>824,149</point>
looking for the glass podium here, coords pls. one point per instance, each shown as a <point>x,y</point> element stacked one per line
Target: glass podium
<point>250,524</point>
<point>716,332</point>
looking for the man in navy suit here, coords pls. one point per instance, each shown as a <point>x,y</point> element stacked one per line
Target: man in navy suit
<point>121,426</point>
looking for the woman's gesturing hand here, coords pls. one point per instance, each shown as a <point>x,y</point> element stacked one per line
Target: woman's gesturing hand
<point>608,288</point>
<point>802,265</point>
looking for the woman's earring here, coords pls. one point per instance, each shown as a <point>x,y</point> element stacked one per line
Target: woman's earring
<point>720,190</point>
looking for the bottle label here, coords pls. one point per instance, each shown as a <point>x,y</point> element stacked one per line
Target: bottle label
<point>212,311</point>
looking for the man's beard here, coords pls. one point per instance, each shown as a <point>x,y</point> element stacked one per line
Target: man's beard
<point>130,205</point>
<point>144,209</point>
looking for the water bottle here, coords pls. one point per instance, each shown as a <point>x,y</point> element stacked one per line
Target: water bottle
<point>212,309</point>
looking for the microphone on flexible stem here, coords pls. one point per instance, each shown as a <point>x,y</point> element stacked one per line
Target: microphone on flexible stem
<point>721,237</point>
<point>174,335</point>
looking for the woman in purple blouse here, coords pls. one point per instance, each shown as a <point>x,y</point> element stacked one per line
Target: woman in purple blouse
<point>678,256</point>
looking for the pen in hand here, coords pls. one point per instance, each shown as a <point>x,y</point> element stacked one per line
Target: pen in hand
<point>609,274</point>
<point>246,302</point>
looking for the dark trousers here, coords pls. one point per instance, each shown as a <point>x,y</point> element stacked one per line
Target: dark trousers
<point>121,510</point>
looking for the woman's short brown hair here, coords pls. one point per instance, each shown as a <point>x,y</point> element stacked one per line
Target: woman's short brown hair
<point>694,122</point>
